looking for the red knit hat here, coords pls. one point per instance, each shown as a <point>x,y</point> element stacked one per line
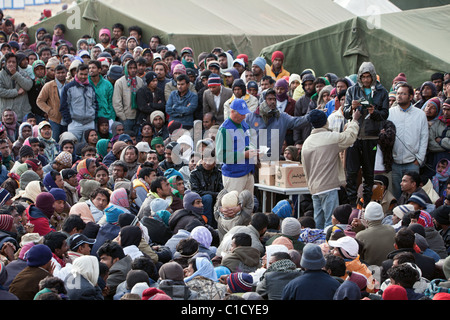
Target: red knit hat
<point>394,292</point>
<point>277,54</point>
<point>400,77</point>
<point>154,294</point>
<point>6,222</point>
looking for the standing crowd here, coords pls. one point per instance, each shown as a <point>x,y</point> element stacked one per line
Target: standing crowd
<point>128,172</point>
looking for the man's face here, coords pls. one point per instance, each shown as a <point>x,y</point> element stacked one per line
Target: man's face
<point>308,86</point>
<point>407,185</point>
<point>58,32</point>
<point>366,79</point>
<point>4,148</point>
<point>438,83</point>
<point>147,131</point>
<point>108,260</point>
<point>319,86</point>
<point>168,60</point>
<point>132,70</point>
<point>340,86</point>
<point>277,63</point>
<point>89,154</point>
<point>60,75</point>
<point>168,155</point>
<point>208,163</point>
<point>249,76</point>
<point>256,70</point>
<point>8,117</point>
<point>40,171</point>
<point>182,86</point>
<point>160,72</point>
<point>265,84</point>
<point>446,113</point>
<point>84,249</point>
<point>46,132</point>
<point>237,91</point>
<point>180,186</point>
<point>117,32</point>
<point>93,70</point>
<point>46,55</point>
<point>154,43</point>
<point>271,101</point>
<point>427,92</point>
<point>223,62</point>
<point>207,121</point>
<point>130,155</point>
<point>430,111</point>
<point>60,252</point>
<point>39,71</point>
<point>73,181</point>
<point>100,201</point>
<point>104,38</point>
<point>59,181</point>
<point>158,122</point>
<point>166,189</point>
<point>59,205</point>
<point>102,177</point>
<point>26,132</point>
<point>118,172</point>
<point>280,90</point>
<point>152,157</point>
<point>236,116</point>
<point>215,90</point>
<point>82,75</point>
<point>198,203</point>
<point>131,44</point>
<point>403,97</point>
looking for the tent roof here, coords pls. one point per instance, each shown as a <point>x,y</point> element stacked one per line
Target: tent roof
<point>367,7</point>
<point>413,42</point>
<point>242,26</point>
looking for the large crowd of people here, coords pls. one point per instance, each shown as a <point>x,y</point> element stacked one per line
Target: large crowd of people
<point>128,172</point>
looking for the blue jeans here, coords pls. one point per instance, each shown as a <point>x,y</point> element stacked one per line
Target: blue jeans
<point>130,125</point>
<point>57,129</point>
<point>398,171</point>
<point>208,207</point>
<point>324,205</point>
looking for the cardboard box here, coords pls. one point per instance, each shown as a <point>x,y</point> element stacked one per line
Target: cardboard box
<point>289,175</point>
<point>266,173</point>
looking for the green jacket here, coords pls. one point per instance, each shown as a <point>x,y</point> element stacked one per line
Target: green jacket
<point>104,91</point>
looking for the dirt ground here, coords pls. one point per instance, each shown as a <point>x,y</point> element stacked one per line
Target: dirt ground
<point>31,14</point>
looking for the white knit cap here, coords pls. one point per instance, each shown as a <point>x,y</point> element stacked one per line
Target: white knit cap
<point>373,211</point>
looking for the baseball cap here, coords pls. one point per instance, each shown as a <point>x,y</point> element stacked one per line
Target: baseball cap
<point>348,244</point>
<point>143,147</point>
<point>240,106</point>
<point>77,240</point>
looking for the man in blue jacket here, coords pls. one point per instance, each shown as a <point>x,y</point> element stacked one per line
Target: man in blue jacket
<point>233,150</point>
<point>79,106</point>
<point>182,103</point>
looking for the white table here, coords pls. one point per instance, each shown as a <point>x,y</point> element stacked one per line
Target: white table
<point>286,191</point>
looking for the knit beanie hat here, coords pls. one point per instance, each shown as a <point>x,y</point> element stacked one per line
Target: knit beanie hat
<point>48,182</point>
<point>27,177</point>
<point>26,151</point>
<point>358,278</point>
<point>342,213</point>
<point>179,68</point>
<point>214,80</point>
<point>44,202</point>
<point>158,204</point>
<point>171,271</point>
<point>418,198</point>
<point>6,222</point>
<point>277,55</point>
<point>136,276</point>
<point>442,215</point>
<point>58,194</point>
<point>4,196</point>
<point>317,118</point>
<point>312,257</point>
<point>34,163</point>
<point>373,211</point>
<point>240,282</point>
<point>394,292</point>
<point>291,227</point>
<point>400,210</point>
<point>425,219</point>
<point>154,294</point>
<point>156,113</point>
<point>64,158</point>
<point>38,255</point>
<point>400,77</point>
<point>150,76</point>
<point>260,62</point>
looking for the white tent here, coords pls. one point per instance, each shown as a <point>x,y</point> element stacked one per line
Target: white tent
<point>363,8</point>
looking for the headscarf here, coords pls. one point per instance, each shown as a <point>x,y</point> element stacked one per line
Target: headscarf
<point>441,177</point>
<point>130,235</point>
<point>119,197</point>
<point>82,169</point>
<point>163,215</point>
<point>283,209</point>
<point>282,83</point>
<point>205,268</point>
<point>102,147</point>
<point>132,84</point>
<point>32,190</point>
<point>50,144</point>
<point>202,235</point>
<point>171,271</point>
<point>86,266</point>
<point>82,209</point>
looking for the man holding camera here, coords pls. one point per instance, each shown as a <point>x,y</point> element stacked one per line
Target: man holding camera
<point>372,99</point>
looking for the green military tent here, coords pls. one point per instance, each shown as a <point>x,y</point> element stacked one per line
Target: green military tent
<point>414,42</point>
<point>242,26</point>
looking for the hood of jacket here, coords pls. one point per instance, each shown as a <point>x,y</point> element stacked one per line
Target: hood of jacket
<point>367,67</point>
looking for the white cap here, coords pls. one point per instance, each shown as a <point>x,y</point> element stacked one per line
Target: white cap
<point>348,244</point>
<point>143,147</point>
<point>400,211</point>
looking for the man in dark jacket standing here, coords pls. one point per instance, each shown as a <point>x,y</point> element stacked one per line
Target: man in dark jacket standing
<point>372,99</point>
<point>206,180</point>
<point>302,108</point>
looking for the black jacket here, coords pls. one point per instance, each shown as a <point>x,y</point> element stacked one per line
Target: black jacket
<point>147,104</point>
<point>206,182</point>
